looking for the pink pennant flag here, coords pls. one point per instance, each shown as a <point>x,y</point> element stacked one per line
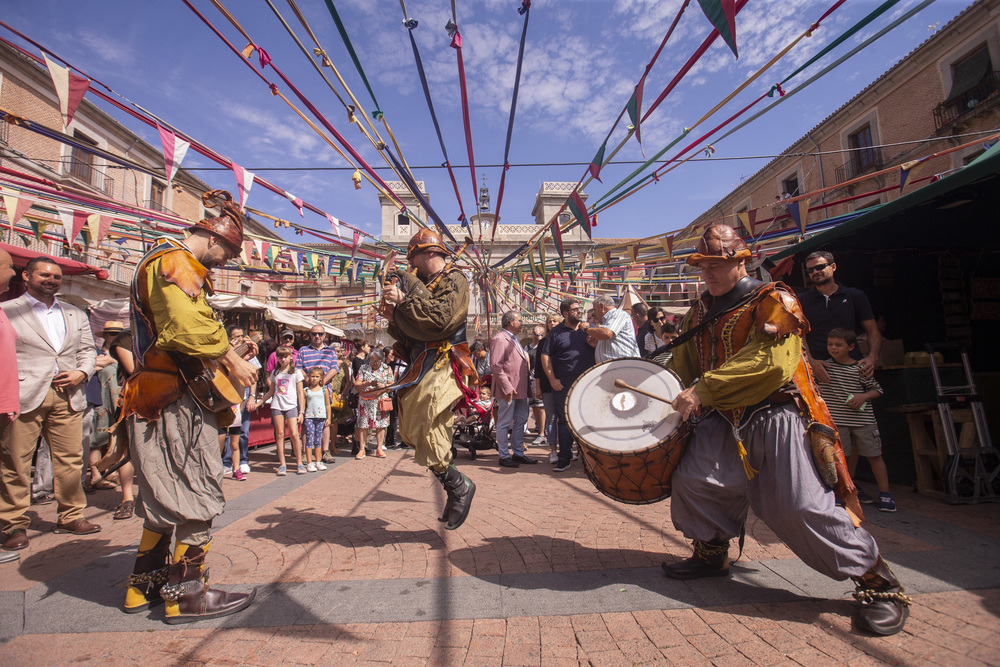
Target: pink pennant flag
<point>296,202</point>
<point>354,246</point>
<point>335,223</point>
<point>73,222</point>
<point>70,89</point>
<point>16,208</point>
<point>244,181</point>
<point>174,150</point>
<point>98,226</point>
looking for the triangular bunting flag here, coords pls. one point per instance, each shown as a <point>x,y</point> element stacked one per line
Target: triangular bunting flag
<point>531,263</point>
<point>16,207</point>
<point>354,244</point>
<point>722,14</point>
<point>73,222</point>
<point>597,162</point>
<point>296,258</point>
<point>272,254</point>
<point>335,223</point>
<point>244,181</point>
<point>343,267</point>
<point>635,252</point>
<point>259,245</point>
<point>70,89</point>
<point>799,211</point>
<point>557,237</point>
<point>583,262</point>
<point>579,209</point>
<point>246,253</point>
<point>541,253</point>
<point>39,229</point>
<point>98,226</point>
<point>634,108</point>
<point>668,245</point>
<point>606,256</point>
<point>906,170</point>
<point>296,202</point>
<point>174,150</point>
<point>747,218</point>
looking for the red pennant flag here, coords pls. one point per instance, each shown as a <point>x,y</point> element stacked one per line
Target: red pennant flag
<point>354,245</point>
<point>579,209</point>
<point>557,237</point>
<point>16,208</point>
<point>70,89</point>
<point>244,181</point>
<point>174,150</point>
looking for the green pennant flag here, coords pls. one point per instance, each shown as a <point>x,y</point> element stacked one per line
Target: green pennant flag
<point>722,14</point>
<point>272,253</point>
<point>634,108</point>
<point>38,228</point>
<point>579,209</point>
<point>596,163</point>
<point>25,240</point>
<point>343,267</point>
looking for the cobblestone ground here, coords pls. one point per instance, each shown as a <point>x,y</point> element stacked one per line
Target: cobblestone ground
<point>375,521</point>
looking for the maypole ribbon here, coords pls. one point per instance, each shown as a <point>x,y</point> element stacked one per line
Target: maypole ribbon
<point>456,43</point>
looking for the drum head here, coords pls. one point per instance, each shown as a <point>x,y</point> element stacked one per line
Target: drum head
<point>612,419</point>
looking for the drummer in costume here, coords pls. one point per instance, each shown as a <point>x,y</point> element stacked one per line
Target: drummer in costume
<point>173,439</point>
<point>761,420</point>
<point>427,313</point>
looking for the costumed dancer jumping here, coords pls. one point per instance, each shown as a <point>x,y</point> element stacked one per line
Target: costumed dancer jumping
<point>427,314</point>
<point>174,440</point>
<point>768,441</point>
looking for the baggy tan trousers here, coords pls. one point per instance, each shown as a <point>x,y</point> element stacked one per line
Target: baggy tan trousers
<point>425,416</point>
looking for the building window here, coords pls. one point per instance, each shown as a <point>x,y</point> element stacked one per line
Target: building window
<point>973,81</point>
<point>81,163</point>
<point>863,154</point>
<point>156,194</point>
<point>790,186</point>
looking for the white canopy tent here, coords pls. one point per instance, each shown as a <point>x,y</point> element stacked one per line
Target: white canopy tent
<point>292,320</point>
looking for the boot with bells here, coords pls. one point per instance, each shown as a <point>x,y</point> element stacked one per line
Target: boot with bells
<point>884,607</point>
<point>150,572</point>
<point>710,559</point>
<point>188,595</point>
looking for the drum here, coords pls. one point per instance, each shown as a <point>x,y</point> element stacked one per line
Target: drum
<point>629,443</point>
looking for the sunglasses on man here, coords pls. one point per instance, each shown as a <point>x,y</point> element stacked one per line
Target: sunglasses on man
<point>817,267</point>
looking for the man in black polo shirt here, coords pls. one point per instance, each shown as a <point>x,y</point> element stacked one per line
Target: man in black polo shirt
<point>828,306</point>
<point>565,356</point>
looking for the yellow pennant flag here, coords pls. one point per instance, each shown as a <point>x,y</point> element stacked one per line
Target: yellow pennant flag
<point>16,207</point>
<point>668,245</point>
<point>744,218</point>
<point>583,261</point>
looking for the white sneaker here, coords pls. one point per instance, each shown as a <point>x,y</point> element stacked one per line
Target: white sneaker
<point>245,468</point>
<point>320,466</point>
<point>227,473</point>
<point>311,467</point>
<point>553,456</point>
<point>541,440</point>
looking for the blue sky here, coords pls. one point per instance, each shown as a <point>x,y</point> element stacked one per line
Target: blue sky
<point>582,60</point>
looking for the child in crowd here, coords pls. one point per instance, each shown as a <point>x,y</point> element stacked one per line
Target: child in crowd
<point>485,398</point>
<point>847,395</point>
<point>317,418</point>
<point>287,403</point>
<point>668,332</point>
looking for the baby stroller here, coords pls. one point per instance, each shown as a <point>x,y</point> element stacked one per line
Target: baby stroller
<point>473,424</point>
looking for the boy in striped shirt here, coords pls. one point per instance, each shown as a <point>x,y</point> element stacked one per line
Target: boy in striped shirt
<point>847,395</point>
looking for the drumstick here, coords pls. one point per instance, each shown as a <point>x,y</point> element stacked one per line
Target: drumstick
<point>624,385</point>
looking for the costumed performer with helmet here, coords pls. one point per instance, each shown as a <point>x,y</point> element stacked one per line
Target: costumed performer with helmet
<point>427,314</point>
<point>174,440</point>
<point>765,439</point>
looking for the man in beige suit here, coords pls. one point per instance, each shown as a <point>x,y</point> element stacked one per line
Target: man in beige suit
<point>56,356</point>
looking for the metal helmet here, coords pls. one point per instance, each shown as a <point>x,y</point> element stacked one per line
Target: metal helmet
<point>229,225</point>
<point>426,239</point>
<point>719,242</point>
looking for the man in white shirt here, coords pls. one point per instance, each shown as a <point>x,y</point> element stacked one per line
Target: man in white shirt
<point>615,337</point>
<point>56,356</point>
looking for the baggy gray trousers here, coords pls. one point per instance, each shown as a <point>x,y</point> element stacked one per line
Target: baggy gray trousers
<point>178,468</point>
<point>711,493</point>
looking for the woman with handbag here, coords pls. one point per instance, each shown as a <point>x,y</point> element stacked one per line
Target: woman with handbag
<point>374,413</point>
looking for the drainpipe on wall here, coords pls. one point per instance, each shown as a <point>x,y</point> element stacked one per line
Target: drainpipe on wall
<point>822,182</point>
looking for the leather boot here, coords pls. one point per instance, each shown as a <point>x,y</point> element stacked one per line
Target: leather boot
<point>710,559</point>
<point>884,607</point>
<point>460,490</point>
<point>188,595</point>
<point>149,573</point>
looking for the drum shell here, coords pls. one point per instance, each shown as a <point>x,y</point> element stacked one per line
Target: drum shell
<point>634,477</point>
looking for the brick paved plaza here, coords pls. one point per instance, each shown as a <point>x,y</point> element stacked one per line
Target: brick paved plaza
<point>352,566</point>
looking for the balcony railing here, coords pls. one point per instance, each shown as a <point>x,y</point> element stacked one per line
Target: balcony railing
<point>862,161</point>
<point>158,206</point>
<point>967,102</point>
<point>89,174</point>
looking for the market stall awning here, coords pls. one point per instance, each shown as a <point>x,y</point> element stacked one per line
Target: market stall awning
<point>70,267</point>
<point>292,320</point>
<point>958,211</point>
